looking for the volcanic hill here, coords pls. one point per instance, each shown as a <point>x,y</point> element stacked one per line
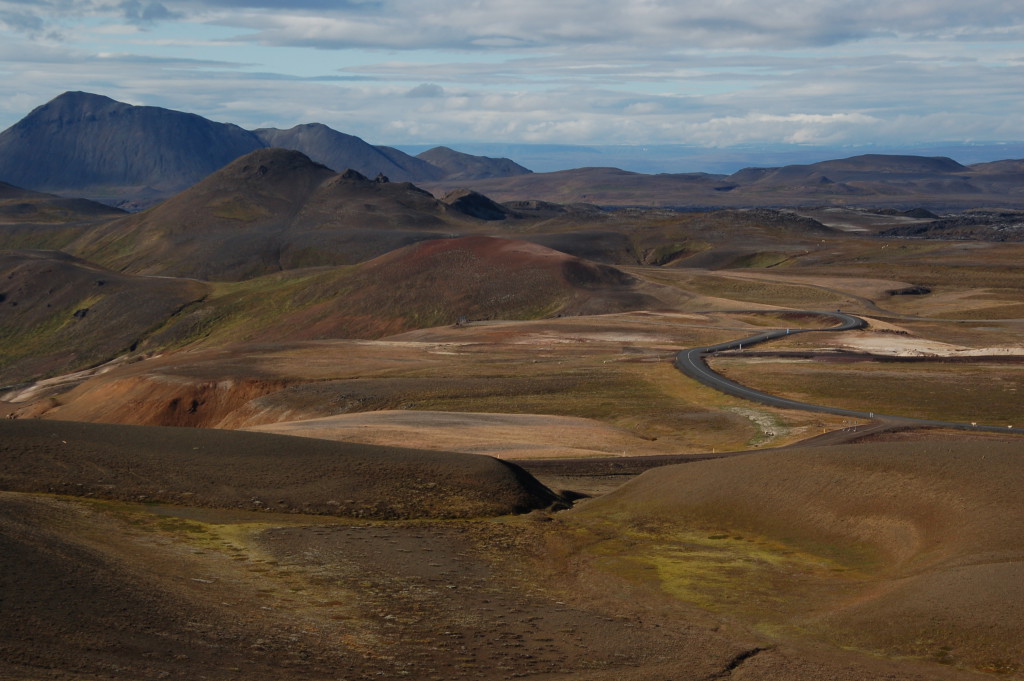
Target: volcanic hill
<point>270,210</point>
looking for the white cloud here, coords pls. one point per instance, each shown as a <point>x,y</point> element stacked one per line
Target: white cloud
<point>573,71</point>
<point>459,24</point>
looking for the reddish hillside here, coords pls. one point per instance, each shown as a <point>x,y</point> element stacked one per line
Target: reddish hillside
<point>441,281</point>
<point>431,283</point>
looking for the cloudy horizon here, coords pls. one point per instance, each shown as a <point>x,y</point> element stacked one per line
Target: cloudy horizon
<point>632,72</point>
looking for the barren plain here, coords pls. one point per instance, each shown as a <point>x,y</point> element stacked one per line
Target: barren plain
<point>464,452</point>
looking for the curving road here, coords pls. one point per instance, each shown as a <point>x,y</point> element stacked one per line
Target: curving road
<point>692,363</point>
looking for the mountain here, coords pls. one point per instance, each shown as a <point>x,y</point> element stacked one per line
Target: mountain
<point>459,166</point>
<point>340,152</point>
<point>270,210</point>
<point>603,186</point>
<point>86,144</point>
<point>82,144</point>
<point>869,180</point>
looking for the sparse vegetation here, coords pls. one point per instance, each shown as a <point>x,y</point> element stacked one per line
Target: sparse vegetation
<point>987,394</point>
<point>397,320</point>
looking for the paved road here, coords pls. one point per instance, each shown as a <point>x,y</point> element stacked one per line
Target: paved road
<point>691,362</point>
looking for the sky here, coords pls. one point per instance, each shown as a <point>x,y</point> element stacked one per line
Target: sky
<point>715,74</point>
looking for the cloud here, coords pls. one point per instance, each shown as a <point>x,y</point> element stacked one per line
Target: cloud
<point>21,22</point>
<point>137,12</point>
<point>573,71</point>
<point>519,24</point>
<point>426,90</point>
<point>531,24</point>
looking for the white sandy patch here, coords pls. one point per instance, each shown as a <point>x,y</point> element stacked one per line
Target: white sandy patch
<point>596,337</point>
<point>500,435</point>
<point>769,426</point>
<point>844,226</point>
<point>429,346</point>
<point>908,346</point>
<point>41,388</point>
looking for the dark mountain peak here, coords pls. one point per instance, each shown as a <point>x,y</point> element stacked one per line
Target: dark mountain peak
<point>257,187</point>
<point>306,135</point>
<point>459,166</point>
<point>85,144</point>
<point>352,184</point>
<point>272,164</point>
<point>474,204</point>
<point>76,103</point>
<point>353,176</point>
<point>339,150</point>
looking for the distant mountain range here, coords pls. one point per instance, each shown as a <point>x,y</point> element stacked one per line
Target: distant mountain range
<point>82,144</point>
<point>86,145</point>
<point>869,180</point>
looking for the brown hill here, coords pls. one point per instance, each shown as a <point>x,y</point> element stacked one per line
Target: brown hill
<point>437,282</point>
<point>604,186</point>
<point>58,313</point>
<point>916,546</point>
<point>270,210</point>
<point>476,204</point>
<point>48,209</point>
<point>429,283</point>
<point>257,471</point>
